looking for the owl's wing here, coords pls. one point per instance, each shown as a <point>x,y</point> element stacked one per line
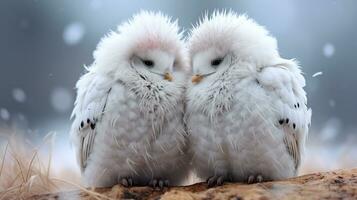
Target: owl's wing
<point>285,82</point>
<point>92,95</point>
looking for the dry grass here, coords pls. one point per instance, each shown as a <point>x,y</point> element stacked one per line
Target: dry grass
<point>25,172</point>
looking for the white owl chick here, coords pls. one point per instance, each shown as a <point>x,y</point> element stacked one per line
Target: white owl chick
<point>128,115</point>
<point>246,108</point>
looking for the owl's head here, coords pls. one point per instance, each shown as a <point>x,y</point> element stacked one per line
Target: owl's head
<point>225,37</point>
<point>147,45</point>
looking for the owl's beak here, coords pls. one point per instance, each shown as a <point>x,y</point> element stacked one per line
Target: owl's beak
<point>168,76</point>
<point>196,78</point>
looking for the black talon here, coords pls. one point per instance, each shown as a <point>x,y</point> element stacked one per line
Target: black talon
<point>130,181</point>
<point>281,121</point>
<point>298,105</point>
<point>82,124</point>
<point>88,120</point>
<point>161,184</point>
<point>287,120</point>
<point>294,125</point>
<point>124,182</point>
<point>167,183</point>
<point>295,105</point>
<point>154,183</point>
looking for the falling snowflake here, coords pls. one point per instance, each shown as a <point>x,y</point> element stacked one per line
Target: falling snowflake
<point>332,103</point>
<point>317,74</point>
<point>19,95</point>
<point>73,33</point>
<point>4,114</point>
<point>328,50</point>
<point>61,99</point>
<point>331,129</point>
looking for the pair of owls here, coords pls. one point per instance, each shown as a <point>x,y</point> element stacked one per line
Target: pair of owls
<point>141,118</point>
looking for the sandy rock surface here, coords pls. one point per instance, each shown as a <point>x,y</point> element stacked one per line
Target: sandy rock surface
<point>340,184</point>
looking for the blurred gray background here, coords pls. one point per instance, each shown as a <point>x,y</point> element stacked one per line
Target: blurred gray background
<point>45,43</point>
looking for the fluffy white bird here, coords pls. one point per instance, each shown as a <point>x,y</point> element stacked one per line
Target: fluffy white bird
<point>246,108</point>
<point>128,115</point>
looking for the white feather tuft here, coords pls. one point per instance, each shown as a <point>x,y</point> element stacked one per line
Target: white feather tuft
<point>230,32</point>
<point>145,30</point>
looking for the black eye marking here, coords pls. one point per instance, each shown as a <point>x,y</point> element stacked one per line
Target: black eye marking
<point>216,61</point>
<point>148,63</point>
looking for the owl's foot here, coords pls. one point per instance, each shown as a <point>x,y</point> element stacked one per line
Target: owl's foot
<point>159,183</point>
<point>126,182</point>
<point>215,181</point>
<point>255,179</point>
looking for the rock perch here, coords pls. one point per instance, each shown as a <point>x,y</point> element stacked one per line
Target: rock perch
<point>341,184</point>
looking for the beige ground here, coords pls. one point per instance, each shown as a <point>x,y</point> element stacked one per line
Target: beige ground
<point>340,184</point>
